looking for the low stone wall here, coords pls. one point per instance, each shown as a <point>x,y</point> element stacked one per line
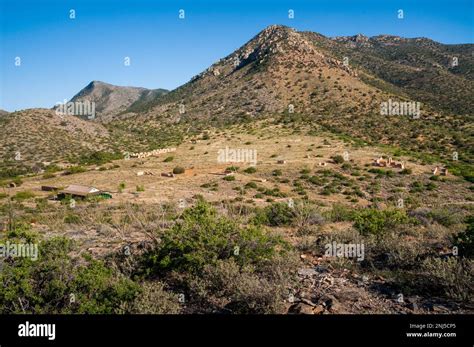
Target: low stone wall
<point>152,153</point>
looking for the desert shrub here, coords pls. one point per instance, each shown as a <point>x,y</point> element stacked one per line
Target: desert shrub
<point>250,170</point>
<point>74,170</point>
<point>57,283</point>
<point>178,170</point>
<point>18,181</point>
<point>140,188</point>
<point>168,159</point>
<point>101,289</point>
<point>422,215</point>
<point>417,187</point>
<point>121,187</point>
<point>316,180</point>
<point>373,221</point>
<point>241,290</point>
<point>72,219</point>
<point>307,215</point>
<point>394,251</point>
<point>202,237</point>
<point>274,192</point>
<point>276,214</point>
<point>24,195</point>
<point>251,185</point>
<point>49,175</point>
<point>381,172</point>
<point>339,213</point>
<point>338,159</point>
<point>346,166</point>
<point>98,158</point>
<point>465,240</point>
<point>451,277</point>
<point>12,172</point>
<point>446,217</point>
<point>277,172</point>
<point>154,299</point>
<point>51,168</point>
<point>229,178</point>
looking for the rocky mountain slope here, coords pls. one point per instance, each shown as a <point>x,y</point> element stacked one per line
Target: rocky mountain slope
<point>434,73</point>
<point>113,100</point>
<point>278,71</point>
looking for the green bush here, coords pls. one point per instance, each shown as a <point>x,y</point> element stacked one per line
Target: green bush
<point>277,172</point>
<point>376,222</point>
<point>417,187</point>
<point>24,195</point>
<point>168,159</point>
<point>72,219</point>
<point>121,187</point>
<point>74,170</point>
<point>451,277</point>
<point>99,158</point>
<point>446,217</point>
<point>52,168</point>
<point>465,239</point>
<point>178,170</point>
<point>250,170</point>
<point>201,237</point>
<point>338,159</point>
<point>229,178</point>
<point>243,290</point>
<point>56,283</point>
<point>276,214</point>
<point>154,299</point>
<point>340,213</point>
<point>251,185</point>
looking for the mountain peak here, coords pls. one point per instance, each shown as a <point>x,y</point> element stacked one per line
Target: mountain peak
<point>97,83</point>
<point>112,100</point>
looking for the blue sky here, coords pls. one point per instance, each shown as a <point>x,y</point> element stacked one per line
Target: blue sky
<point>59,56</point>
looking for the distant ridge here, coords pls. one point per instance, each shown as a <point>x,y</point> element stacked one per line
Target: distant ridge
<point>111,101</point>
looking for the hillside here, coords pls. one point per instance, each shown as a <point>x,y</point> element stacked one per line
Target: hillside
<point>433,73</point>
<point>255,241</point>
<point>33,137</point>
<point>110,100</point>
